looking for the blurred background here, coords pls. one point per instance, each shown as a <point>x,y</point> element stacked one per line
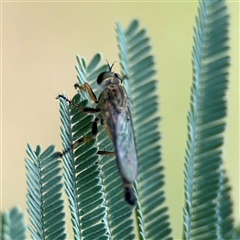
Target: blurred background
<point>39,43</point>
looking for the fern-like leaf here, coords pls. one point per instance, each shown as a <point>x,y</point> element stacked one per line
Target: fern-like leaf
<point>94,186</point>
<point>83,172</point>
<point>205,189</point>
<point>44,198</point>
<point>225,223</point>
<point>13,225</point>
<point>138,67</point>
<point>119,215</point>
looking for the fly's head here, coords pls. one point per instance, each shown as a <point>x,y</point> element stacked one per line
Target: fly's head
<point>109,77</point>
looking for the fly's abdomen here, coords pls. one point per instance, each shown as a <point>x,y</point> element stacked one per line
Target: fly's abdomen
<point>126,154</point>
<point>117,120</point>
<point>130,195</point>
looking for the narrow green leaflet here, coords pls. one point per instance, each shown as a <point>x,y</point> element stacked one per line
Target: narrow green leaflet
<point>44,198</point>
<point>138,68</point>
<point>206,192</point>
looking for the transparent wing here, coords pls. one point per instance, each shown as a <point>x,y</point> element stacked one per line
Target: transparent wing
<point>125,146</point>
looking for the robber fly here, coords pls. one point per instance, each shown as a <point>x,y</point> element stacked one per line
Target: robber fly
<point>114,114</point>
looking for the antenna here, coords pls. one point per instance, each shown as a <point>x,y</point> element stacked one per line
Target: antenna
<point>110,68</point>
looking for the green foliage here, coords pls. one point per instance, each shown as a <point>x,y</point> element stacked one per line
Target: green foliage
<point>82,169</point>
<point>225,222</point>
<point>99,175</point>
<point>207,211</point>
<point>138,67</point>
<point>44,198</point>
<point>92,182</point>
<point>13,225</point>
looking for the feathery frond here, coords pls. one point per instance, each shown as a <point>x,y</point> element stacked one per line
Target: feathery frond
<point>93,178</point>
<point>205,189</point>
<point>224,209</point>
<point>118,219</point>
<point>92,182</point>
<point>13,225</point>
<point>138,67</point>
<point>44,198</point>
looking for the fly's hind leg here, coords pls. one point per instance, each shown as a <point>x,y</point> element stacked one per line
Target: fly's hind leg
<point>83,139</point>
<point>106,153</point>
<point>87,139</point>
<point>94,133</point>
<point>76,144</point>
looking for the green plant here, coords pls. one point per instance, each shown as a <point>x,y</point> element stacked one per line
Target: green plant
<point>92,183</point>
<point>13,225</point>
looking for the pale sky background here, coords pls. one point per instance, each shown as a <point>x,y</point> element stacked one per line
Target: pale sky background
<point>40,41</point>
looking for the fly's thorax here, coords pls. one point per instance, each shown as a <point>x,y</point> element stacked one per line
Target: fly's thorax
<point>113,98</point>
<point>111,102</point>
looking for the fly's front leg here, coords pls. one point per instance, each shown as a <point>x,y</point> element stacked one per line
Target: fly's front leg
<point>86,110</point>
<point>79,107</point>
<point>87,88</point>
<point>94,126</point>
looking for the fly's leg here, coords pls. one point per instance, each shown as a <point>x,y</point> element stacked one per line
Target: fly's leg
<point>129,193</point>
<point>106,153</point>
<point>82,140</point>
<point>76,144</point>
<point>94,133</point>
<point>94,126</point>
<point>87,139</point>
<point>86,87</point>
<point>79,107</point>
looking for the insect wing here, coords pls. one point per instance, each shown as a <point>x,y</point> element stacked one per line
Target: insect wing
<point>125,147</point>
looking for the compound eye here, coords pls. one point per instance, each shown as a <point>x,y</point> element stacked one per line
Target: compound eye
<point>104,76</point>
<point>116,75</point>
